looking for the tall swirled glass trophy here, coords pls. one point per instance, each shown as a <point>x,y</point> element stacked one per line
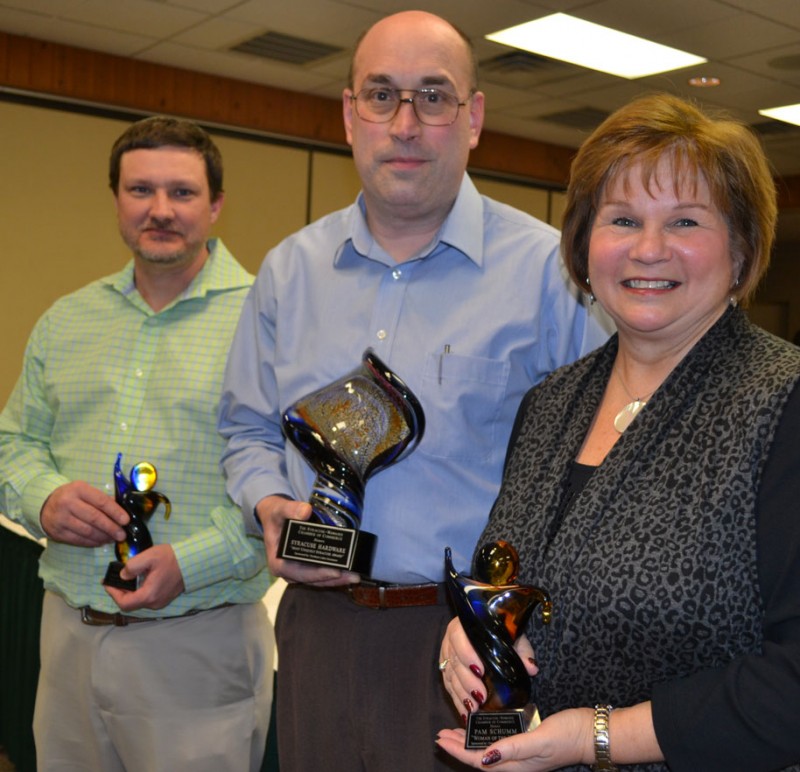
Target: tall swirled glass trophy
<point>348,431</point>
<point>137,497</point>
<point>493,612</point>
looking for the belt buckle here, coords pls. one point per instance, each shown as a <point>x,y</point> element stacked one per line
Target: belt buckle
<point>88,618</point>
<point>363,594</point>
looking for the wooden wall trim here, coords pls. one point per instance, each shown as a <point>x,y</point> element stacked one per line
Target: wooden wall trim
<point>73,73</point>
<point>38,66</point>
<point>31,65</point>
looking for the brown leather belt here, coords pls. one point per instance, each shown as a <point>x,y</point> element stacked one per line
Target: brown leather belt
<point>90,616</point>
<point>383,596</point>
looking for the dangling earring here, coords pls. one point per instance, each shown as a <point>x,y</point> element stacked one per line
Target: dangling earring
<point>592,298</point>
<point>733,299</point>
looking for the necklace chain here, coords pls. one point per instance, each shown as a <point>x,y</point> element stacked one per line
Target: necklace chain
<point>625,416</point>
<point>628,392</point>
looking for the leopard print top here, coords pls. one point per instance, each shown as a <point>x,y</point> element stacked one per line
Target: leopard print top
<point>653,570</point>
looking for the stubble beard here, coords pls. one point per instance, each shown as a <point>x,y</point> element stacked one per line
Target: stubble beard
<point>176,257</point>
<point>165,257</point>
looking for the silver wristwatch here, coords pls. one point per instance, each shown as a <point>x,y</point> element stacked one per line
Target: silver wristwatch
<point>602,747</point>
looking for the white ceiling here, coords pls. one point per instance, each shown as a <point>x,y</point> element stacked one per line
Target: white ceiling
<point>752,45</point>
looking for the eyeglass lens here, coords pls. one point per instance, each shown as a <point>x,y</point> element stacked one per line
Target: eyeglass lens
<point>431,105</point>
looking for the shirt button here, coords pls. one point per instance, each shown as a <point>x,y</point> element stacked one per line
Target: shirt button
<point>139,372</point>
<point>123,426</point>
<point>381,334</point>
<point>396,274</point>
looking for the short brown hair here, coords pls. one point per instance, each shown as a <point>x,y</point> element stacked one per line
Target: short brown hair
<point>725,152</point>
<point>159,131</point>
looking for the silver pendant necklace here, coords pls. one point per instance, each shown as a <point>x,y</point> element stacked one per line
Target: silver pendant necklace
<point>625,416</point>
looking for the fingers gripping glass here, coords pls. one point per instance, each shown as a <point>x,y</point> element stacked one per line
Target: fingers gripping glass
<point>432,106</point>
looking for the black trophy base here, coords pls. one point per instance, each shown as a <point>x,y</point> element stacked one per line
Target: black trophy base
<point>328,545</point>
<point>113,579</point>
<point>485,727</point>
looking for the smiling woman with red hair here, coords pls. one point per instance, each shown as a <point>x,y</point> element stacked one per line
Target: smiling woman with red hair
<point>651,487</point>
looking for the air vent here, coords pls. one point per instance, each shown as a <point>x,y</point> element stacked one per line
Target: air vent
<point>523,70</point>
<point>516,62</point>
<point>285,48</point>
<point>584,118</point>
<point>790,62</point>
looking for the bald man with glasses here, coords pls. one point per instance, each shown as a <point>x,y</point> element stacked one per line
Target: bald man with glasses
<point>467,301</point>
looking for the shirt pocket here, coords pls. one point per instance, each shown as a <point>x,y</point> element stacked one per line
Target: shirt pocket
<point>462,397</point>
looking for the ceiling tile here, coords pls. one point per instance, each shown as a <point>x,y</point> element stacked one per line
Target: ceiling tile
<point>653,20</point>
<point>144,17</point>
<point>239,66</point>
<point>783,11</point>
<point>206,6</point>
<point>724,39</point>
<point>70,33</point>
<point>333,23</point>
<point>215,34</point>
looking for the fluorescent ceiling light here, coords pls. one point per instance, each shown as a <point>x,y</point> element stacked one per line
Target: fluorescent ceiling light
<point>788,113</point>
<point>590,45</point>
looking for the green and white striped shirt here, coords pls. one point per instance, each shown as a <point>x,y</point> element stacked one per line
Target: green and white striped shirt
<point>104,374</point>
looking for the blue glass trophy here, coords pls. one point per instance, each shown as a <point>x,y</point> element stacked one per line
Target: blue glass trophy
<point>137,497</point>
<point>493,612</point>
<point>348,431</point>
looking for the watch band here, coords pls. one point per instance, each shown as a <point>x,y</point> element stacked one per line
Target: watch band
<point>602,746</point>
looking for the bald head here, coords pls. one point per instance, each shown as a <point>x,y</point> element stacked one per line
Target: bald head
<point>412,24</point>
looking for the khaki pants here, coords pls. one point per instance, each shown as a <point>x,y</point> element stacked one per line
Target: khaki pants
<point>191,693</point>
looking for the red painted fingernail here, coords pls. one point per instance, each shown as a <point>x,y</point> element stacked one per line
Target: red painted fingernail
<point>477,696</point>
<point>468,705</point>
<point>464,719</point>
<point>476,671</point>
<point>491,757</point>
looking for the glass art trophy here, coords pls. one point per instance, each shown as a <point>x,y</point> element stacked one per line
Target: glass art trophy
<point>493,613</point>
<point>137,497</point>
<point>348,431</point>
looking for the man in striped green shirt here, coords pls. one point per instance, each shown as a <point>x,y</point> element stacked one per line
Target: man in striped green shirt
<point>177,672</point>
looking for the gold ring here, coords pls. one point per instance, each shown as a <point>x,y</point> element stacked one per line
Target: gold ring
<point>443,665</point>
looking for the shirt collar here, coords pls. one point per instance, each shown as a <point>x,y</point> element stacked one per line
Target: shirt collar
<point>221,272</point>
<point>461,230</point>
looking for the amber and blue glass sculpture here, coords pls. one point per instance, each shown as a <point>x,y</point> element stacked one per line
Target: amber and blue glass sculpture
<point>493,612</point>
<point>137,497</point>
<point>348,431</point>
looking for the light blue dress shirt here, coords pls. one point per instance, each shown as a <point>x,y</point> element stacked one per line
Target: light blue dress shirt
<point>490,291</point>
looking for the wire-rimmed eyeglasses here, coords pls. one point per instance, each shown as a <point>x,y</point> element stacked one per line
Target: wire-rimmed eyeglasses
<point>432,106</point>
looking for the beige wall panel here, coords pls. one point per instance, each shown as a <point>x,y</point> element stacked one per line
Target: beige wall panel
<point>266,190</point>
<point>58,224</point>
<point>528,199</point>
<point>334,183</point>
<point>558,203</point>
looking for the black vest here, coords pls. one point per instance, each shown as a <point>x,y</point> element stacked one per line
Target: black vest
<point>653,570</point>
